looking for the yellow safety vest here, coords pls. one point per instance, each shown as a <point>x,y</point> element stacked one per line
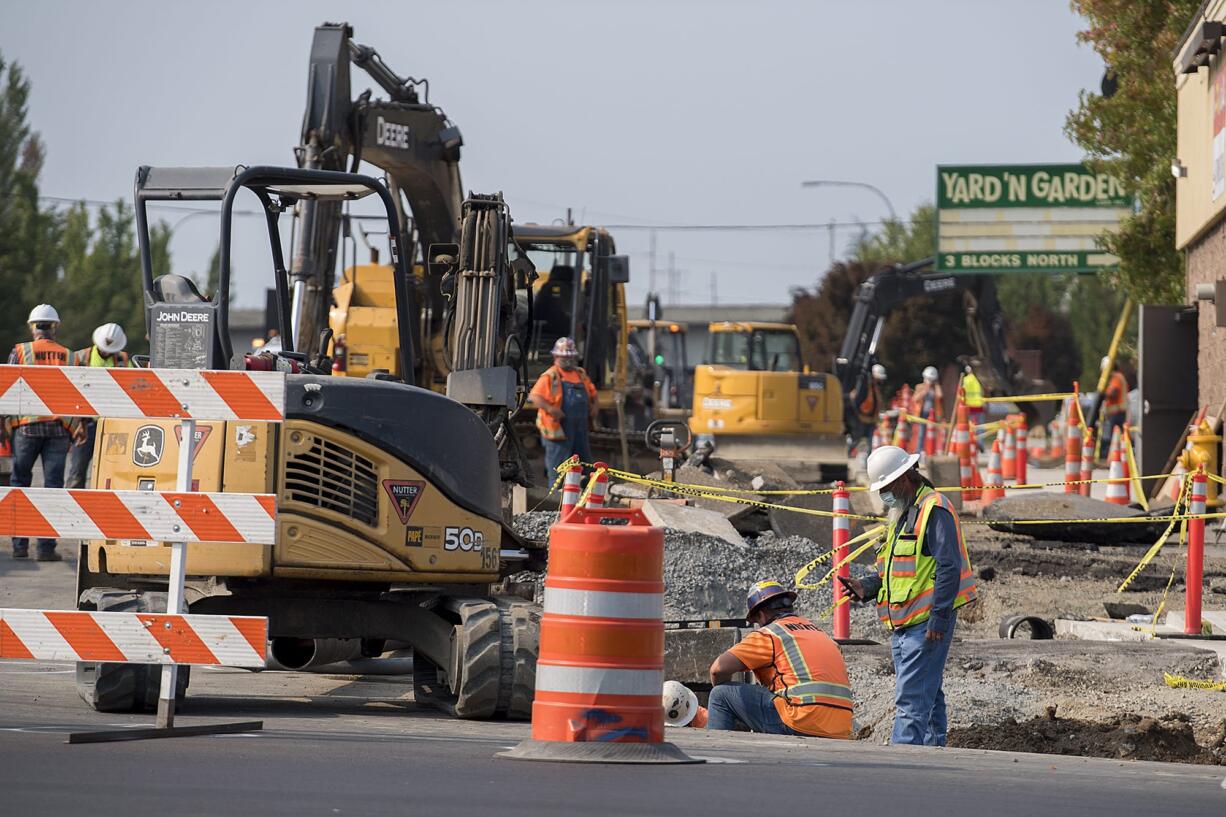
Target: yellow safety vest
<point>972,391</point>
<point>908,575</point>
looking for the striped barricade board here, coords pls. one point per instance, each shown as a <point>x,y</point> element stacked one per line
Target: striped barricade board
<point>81,391</point>
<point>138,638</point>
<point>164,516</point>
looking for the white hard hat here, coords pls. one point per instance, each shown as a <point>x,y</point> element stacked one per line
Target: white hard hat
<point>879,371</point>
<point>109,338</point>
<point>930,373</point>
<point>1106,361</point>
<point>43,313</point>
<point>680,704</point>
<point>888,463</point>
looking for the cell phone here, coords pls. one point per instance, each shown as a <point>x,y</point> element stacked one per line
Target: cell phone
<point>846,582</point>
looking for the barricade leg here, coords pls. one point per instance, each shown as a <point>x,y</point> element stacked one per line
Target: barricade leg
<point>178,575</point>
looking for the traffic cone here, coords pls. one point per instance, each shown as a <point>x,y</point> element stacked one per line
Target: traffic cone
<point>994,489</point>
<point>962,448</point>
<point>976,478</point>
<point>1037,442</point>
<point>1008,463</point>
<point>1125,444</point>
<point>1055,441</point>
<point>571,488</point>
<point>1072,458</point>
<point>1087,462</point>
<point>1117,488</point>
<point>930,435</point>
<point>600,486</point>
<point>902,433</point>
<point>1022,454</point>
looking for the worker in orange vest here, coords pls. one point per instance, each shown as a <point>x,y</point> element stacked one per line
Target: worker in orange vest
<point>681,707</point>
<point>926,400</point>
<point>1115,407</point>
<point>565,401</point>
<point>868,404</point>
<point>40,438</point>
<point>802,684</point>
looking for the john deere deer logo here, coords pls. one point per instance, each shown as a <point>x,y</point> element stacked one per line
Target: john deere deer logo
<point>150,442</point>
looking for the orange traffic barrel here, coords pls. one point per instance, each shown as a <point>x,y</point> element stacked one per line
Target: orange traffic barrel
<point>600,668</point>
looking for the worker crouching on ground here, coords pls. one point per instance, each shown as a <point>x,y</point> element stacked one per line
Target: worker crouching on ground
<point>927,402</point>
<point>803,680</point>
<point>40,438</point>
<point>565,401</point>
<point>681,707</point>
<point>107,351</point>
<point>923,577</point>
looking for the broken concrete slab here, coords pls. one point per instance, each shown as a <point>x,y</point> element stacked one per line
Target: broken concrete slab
<point>1121,610</point>
<point>810,526</point>
<point>691,520</point>
<point>1043,505</point>
<point>688,653</point>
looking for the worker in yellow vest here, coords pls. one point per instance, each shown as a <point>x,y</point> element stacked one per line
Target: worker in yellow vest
<point>972,396</point>
<point>565,401</point>
<point>923,577</point>
<point>107,351</point>
<point>40,438</point>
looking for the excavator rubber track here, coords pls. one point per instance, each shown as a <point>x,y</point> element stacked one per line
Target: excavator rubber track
<point>496,645</point>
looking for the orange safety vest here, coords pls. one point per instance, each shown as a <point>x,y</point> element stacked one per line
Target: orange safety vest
<point>908,575</point>
<point>1117,393</point>
<point>41,352</point>
<point>809,669</point>
<point>549,427</point>
<point>870,405</point>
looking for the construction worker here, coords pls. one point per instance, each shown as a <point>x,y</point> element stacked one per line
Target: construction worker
<point>565,400</point>
<point>1115,406</point>
<point>107,351</point>
<point>923,577</point>
<point>926,402</point>
<point>869,404</point>
<point>972,398</point>
<point>40,438</point>
<point>802,684</point>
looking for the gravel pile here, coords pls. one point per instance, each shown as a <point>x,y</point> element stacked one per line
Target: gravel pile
<point>707,578</point>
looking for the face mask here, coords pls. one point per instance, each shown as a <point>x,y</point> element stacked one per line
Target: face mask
<point>566,363</point>
<point>889,500</point>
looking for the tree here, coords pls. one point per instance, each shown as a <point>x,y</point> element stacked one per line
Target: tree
<point>1130,133</point>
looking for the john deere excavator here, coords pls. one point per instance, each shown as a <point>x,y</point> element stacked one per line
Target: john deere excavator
<point>575,285</point>
<point>389,527</point>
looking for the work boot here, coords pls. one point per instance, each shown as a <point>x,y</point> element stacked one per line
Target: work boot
<point>22,553</point>
<point>47,556</point>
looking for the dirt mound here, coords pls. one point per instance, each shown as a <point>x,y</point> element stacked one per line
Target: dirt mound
<point>1132,737</point>
<point>1075,508</point>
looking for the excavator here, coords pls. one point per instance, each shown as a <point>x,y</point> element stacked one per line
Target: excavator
<point>575,285</point>
<point>390,528</point>
<point>999,373</point>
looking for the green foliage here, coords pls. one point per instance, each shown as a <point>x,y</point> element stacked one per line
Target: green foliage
<point>1131,134</point>
<point>900,241</point>
<point>87,268</point>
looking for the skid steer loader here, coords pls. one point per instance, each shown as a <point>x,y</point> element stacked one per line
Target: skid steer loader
<point>389,527</point>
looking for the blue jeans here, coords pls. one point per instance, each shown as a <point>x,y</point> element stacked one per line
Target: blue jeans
<point>750,704</point>
<point>79,457</point>
<point>574,424</point>
<point>1111,422</point>
<point>919,666</point>
<point>26,450</point>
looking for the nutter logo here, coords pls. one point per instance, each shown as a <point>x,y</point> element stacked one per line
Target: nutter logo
<point>405,494</point>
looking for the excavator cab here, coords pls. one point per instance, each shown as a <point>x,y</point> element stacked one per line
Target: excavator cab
<point>389,503</point>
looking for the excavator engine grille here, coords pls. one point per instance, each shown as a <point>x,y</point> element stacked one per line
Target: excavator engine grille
<point>330,476</point>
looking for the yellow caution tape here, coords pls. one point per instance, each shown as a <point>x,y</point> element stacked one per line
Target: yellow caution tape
<point>872,535</point>
<point>1179,682</point>
<point>1029,398</point>
<point>1132,471</point>
<point>1157,546</point>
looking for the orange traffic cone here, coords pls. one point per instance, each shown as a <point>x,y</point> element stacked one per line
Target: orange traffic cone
<point>1072,459</point>
<point>1055,441</point>
<point>1008,463</point>
<point>1037,443</point>
<point>1087,462</point>
<point>1117,488</point>
<point>994,489</point>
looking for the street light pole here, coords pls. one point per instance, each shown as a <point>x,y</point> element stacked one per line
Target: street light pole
<point>837,183</point>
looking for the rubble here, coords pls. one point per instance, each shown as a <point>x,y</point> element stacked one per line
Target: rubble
<point>1045,505</point>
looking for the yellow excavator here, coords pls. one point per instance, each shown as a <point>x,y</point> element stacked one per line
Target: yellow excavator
<point>389,505</point>
<point>754,399</point>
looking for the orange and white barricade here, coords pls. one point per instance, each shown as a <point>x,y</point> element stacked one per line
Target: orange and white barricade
<point>176,517</point>
<point>600,668</point>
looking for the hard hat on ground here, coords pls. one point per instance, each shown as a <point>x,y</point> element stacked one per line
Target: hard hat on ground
<point>878,371</point>
<point>109,338</point>
<point>564,347</point>
<point>763,592</point>
<point>680,704</point>
<point>43,313</point>
<point>930,374</point>
<point>888,463</point>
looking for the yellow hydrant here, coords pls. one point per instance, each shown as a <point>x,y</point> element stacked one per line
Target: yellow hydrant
<point>1203,450</point>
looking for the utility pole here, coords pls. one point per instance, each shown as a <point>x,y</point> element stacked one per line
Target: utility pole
<point>651,267</point>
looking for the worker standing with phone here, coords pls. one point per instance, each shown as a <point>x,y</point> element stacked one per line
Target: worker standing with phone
<point>923,576</point>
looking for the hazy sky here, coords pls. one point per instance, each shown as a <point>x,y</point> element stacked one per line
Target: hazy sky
<point>646,113</point>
